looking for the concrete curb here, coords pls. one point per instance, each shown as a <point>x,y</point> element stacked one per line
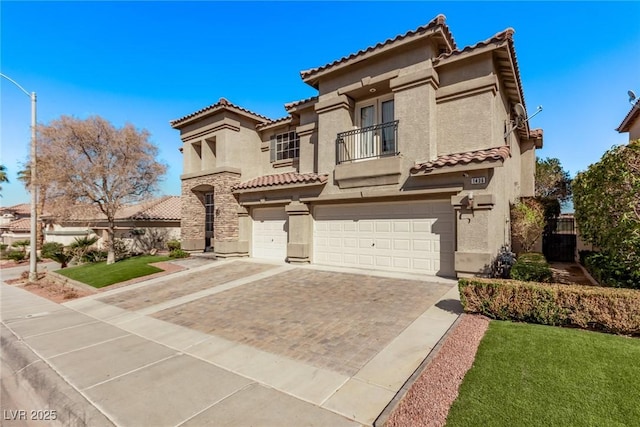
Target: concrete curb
<point>39,379</point>
<point>588,275</point>
<point>65,281</point>
<point>388,410</point>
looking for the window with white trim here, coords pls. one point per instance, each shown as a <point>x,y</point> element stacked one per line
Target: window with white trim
<point>284,146</point>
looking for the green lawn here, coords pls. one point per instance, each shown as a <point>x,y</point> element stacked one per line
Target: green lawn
<point>533,375</point>
<point>100,274</point>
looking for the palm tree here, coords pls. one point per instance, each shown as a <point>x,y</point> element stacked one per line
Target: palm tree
<point>3,175</point>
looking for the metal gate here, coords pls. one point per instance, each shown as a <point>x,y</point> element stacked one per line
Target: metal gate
<point>559,240</point>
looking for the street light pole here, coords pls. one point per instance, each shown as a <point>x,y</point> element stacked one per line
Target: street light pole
<point>33,254</point>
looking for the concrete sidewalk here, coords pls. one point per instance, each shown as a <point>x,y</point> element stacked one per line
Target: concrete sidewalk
<point>104,365</point>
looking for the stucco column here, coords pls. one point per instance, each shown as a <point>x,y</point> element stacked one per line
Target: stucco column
<point>300,233</point>
<point>244,231</point>
<point>473,256</point>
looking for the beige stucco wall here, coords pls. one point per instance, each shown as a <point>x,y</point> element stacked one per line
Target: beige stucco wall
<point>634,130</point>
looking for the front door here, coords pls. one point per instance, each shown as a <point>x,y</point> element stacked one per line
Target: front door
<point>209,210</point>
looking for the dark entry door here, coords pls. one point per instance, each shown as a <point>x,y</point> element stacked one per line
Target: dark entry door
<point>209,209</point>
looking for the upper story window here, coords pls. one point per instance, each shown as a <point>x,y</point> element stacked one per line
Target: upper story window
<point>375,133</point>
<point>285,146</point>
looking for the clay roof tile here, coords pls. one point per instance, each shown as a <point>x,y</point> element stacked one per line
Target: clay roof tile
<point>497,153</point>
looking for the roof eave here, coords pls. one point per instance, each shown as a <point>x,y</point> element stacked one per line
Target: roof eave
<point>631,117</point>
<point>433,29</point>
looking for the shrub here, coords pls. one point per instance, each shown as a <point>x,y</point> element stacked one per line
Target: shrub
<point>16,255</point>
<point>589,307</point>
<point>608,270</point>
<point>501,267</point>
<point>50,248</point>
<point>63,257</point>
<point>173,244</point>
<point>94,255</point>
<point>21,244</point>
<point>531,267</point>
<point>120,249</point>
<point>178,253</point>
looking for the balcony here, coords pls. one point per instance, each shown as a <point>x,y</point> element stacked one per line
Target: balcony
<point>370,142</point>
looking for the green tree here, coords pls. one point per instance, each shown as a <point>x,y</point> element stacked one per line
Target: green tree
<point>527,223</point>
<point>552,181</point>
<point>606,198</point>
<point>91,162</point>
<point>3,175</point>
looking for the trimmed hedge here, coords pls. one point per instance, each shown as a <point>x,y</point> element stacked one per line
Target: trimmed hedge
<point>531,267</point>
<point>606,309</point>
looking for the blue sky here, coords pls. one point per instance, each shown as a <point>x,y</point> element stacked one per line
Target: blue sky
<point>151,62</point>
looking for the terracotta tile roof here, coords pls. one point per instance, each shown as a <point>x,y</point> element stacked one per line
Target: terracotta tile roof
<point>631,117</point>
<point>497,153</point>
<point>21,209</point>
<point>20,225</point>
<point>498,40</point>
<point>282,179</point>
<point>437,22</point>
<point>274,122</point>
<point>288,106</point>
<point>168,208</point>
<point>221,104</point>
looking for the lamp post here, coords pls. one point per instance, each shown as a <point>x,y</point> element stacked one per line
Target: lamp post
<point>33,255</point>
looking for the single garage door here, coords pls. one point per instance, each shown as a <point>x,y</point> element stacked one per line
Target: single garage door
<point>398,236</point>
<point>270,227</point>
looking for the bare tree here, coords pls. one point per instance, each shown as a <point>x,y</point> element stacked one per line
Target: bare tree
<point>98,164</point>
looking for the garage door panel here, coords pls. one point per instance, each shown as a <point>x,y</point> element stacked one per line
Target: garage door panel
<point>407,236</point>
<point>270,228</point>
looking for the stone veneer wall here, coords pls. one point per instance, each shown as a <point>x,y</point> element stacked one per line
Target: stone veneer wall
<point>193,213</point>
<point>225,223</point>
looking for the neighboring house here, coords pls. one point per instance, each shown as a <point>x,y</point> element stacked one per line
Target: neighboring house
<point>14,223</point>
<point>406,160</point>
<point>19,229</point>
<point>160,217</point>
<point>631,122</point>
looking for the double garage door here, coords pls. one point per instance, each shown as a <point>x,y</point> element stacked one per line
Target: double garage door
<point>395,236</point>
<point>398,236</point>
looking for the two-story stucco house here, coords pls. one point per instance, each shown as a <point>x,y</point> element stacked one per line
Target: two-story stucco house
<point>406,160</point>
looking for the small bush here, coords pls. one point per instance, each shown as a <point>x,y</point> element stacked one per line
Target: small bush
<point>588,307</point>
<point>94,255</point>
<point>609,270</point>
<point>120,249</point>
<point>50,248</point>
<point>173,244</point>
<point>501,267</point>
<point>16,255</point>
<point>531,267</point>
<point>178,253</point>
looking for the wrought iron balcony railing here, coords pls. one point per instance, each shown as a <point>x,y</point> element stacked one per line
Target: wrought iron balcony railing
<point>366,143</point>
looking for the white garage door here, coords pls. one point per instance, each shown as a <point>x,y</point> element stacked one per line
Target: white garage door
<point>397,236</point>
<point>270,227</point>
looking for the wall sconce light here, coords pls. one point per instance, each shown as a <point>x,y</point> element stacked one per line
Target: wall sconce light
<point>217,211</point>
<point>470,200</point>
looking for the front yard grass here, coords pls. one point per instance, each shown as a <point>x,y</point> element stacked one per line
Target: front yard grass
<point>100,274</point>
<point>534,375</point>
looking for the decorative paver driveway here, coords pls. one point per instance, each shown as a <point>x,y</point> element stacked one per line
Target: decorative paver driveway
<point>148,296</point>
<point>335,343</point>
<point>337,321</point>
